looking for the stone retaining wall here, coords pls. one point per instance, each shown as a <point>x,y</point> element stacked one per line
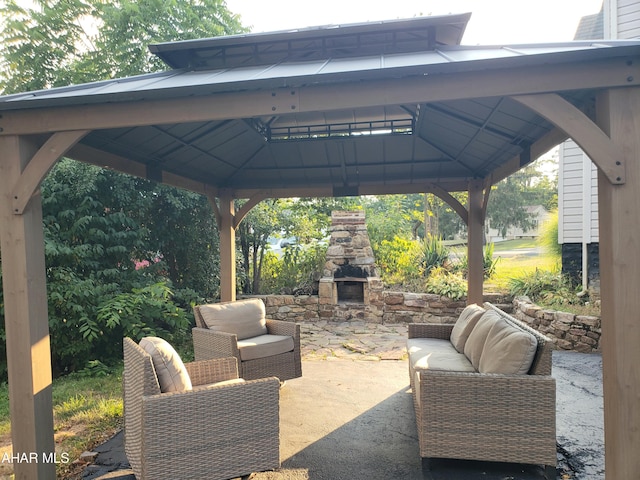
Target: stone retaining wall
<point>384,307</point>
<point>580,333</point>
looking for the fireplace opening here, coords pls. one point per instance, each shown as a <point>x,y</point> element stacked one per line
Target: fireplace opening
<point>350,291</point>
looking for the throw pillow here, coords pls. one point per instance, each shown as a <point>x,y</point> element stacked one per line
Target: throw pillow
<point>171,372</point>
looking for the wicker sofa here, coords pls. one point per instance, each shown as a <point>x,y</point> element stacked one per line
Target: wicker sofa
<point>263,347</point>
<point>483,390</point>
<point>196,420</point>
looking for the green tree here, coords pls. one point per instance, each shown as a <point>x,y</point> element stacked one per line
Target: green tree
<point>62,42</point>
<point>98,222</point>
<point>253,232</point>
<point>509,198</point>
<point>92,243</point>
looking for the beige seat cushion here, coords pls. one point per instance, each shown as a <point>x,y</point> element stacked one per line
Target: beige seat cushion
<point>170,370</point>
<point>232,381</point>
<point>464,325</point>
<point>478,336</point>
<point>264,346</point>
<point>418,348</point>
<point>508,350</point>
<point>444,361</point>
<point>244,318</point>
<point>451,361</point>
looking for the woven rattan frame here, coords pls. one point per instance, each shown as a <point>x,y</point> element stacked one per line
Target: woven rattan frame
<point>487,417</point>
<point>212,432</point>
<point>209,344</point>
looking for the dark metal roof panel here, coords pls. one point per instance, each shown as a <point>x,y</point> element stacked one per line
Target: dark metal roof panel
<point>371,38</point>
<point>449,59</point>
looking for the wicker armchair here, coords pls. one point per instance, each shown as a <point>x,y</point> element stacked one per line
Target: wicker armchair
<point>211,431</point>
<point>239,329</point>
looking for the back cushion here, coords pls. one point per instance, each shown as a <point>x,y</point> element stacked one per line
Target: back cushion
<point>464,325</point>
<point>244,318</point>
<point>508,350</point>
<point>171,372</point>
<point>477,337</point>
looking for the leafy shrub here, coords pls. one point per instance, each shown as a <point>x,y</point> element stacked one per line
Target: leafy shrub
<point>550,287</point>
<point>400,260</point>
<point>445,283</point>
<point>295,271</point>
<point>435,254</point>
<point>143,312</point>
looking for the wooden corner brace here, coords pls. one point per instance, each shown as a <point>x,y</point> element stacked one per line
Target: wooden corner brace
<point>596,143</point>
<point>38,167</point>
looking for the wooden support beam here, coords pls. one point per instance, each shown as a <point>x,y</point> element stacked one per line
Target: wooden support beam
<point>38,167</point>
<point>227,248</point>
<point>26,320</point>
<point>600,148</point>
<point>475,237</point>
<point>411,89</point>
<point>618,114</point>
<point>94,156</point>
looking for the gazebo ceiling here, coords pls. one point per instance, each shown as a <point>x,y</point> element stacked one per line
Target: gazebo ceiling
<point>379,107</point>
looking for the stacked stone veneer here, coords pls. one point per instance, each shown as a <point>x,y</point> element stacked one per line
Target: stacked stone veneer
<point>580,333</point>
<point>349,245</point>
<point>384,307</point>
<point>349,276</point>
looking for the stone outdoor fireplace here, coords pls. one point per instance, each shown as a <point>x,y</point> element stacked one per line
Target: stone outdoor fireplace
<point>350,269</point>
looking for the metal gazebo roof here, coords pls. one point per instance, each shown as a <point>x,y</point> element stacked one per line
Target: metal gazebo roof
<point>342,145</point>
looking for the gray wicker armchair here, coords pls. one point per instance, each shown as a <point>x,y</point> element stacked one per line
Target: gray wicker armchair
<point>212,431</point>
<point>262,346</point>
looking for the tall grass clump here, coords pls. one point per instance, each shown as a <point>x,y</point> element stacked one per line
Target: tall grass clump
<point>548,239</point>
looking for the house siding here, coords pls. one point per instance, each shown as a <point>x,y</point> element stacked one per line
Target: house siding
<point>628,15</point>
<point>577,198</point>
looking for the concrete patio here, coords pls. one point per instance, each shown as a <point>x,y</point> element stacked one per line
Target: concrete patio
<point>351,416</point>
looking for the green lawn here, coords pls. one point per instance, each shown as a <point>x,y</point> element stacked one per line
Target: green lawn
<point>518,266</point>
<point>514,244</point>
<point>86,410</point>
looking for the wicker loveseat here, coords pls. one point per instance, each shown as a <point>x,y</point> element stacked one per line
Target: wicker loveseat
<point>263,347</point>
<point>189,425</point>
<point>483,390</point>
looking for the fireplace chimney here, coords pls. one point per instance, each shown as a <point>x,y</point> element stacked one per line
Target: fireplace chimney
<point>350,263</point>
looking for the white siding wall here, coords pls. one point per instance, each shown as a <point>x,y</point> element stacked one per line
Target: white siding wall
<point>577,174</point>
<point>577,196</point>
<point>628,14</point>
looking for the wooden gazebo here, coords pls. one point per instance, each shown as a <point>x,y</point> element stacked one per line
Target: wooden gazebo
<point>375,108</point>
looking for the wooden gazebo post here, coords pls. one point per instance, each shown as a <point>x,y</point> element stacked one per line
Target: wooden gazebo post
<point>475,229</point>
<point>619,217</point>
<point>227,248</point>
<point>27,326</point>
